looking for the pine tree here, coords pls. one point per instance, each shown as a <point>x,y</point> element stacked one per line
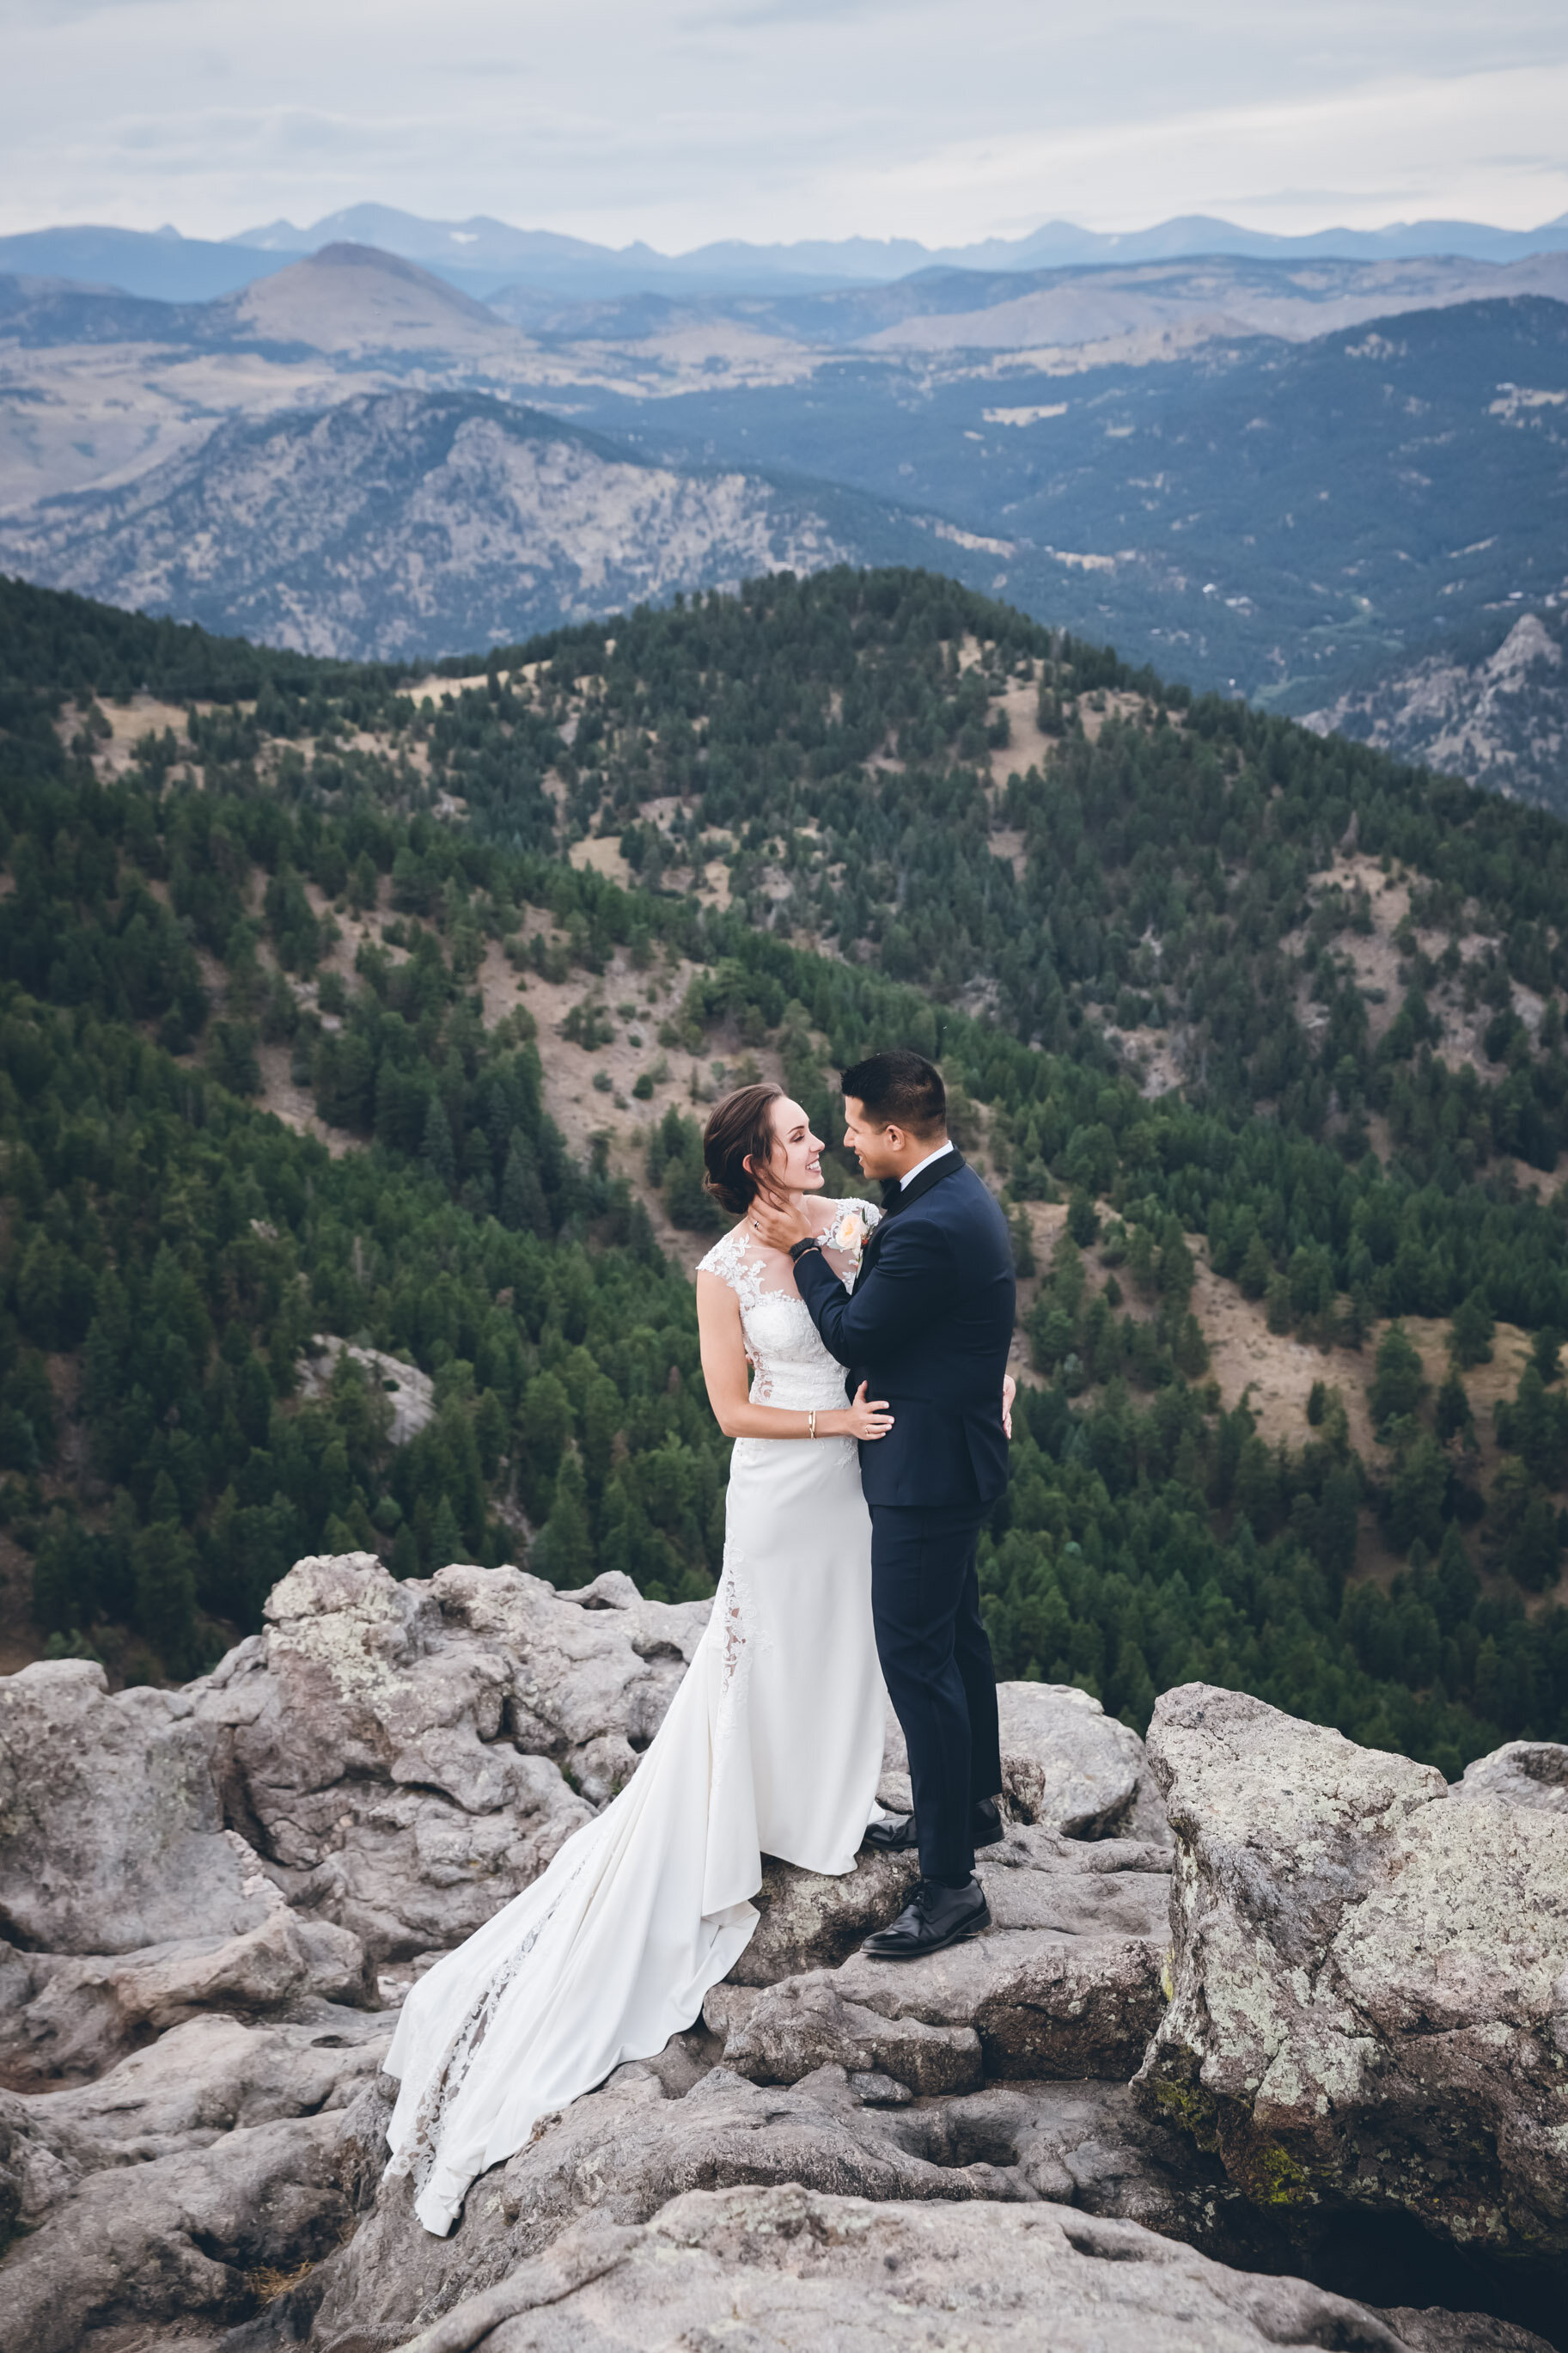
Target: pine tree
<point>1453,1413</point>
<point>1399,1380</point>
<point>437,1149</point>
<point>165,1562</point>
<point>1470,1335</point>
<point>523,1207</point>
<point>565,1553</point>
<point>446,1536</point>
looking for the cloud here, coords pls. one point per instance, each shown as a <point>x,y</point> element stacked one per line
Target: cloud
<point>779,118</point>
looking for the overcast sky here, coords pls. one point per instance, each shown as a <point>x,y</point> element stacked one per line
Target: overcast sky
<point>780,119</point>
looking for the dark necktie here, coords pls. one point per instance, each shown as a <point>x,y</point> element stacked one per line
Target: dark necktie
<point>892,1195</point>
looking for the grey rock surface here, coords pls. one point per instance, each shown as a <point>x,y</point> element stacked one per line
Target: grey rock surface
<point>1067,1982</point>
<point>355,1790</point>
<point>793,2267</point>
<point>617,2156</point>
<point>396,1751</point>
<point>1041,2004</point>
<point>809,1920</point>
<point>1370,1981</point>
<point>1428,2330</point>
<point>1521,1772</point>
<point>111,1836</point>
<point>72,2015</point>
<point>1065,1763</point>
<point>780,2033</point>
<point>176,2184</point>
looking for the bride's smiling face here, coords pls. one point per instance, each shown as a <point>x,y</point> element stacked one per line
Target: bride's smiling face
<point>795,1164</point>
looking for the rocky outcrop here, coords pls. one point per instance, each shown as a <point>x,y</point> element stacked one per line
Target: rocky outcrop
<point>1067,1982</point>
<point>1065,1764</point>
<point>1500,722</point>
<point>72,2015</point>
<point>132,1904</point>
<point>175,2183</point>
<point>111,1836</point>
<point>793,2267</point>
<point>1522,1773</point>
<point>1371,1979</point>
<point>210,1892</point>
<point>407,1757</point>
<point>654,2131</point>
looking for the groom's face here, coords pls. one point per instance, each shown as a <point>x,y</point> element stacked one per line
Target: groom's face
<point>877,1148</point>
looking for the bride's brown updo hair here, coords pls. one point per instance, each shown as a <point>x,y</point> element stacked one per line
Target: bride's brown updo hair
<point>740,1128</point>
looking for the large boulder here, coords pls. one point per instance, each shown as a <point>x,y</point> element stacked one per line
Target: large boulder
<point>213,2076</point>
<point>797,2268</point>
<point>408,1758</point>
<point>809,1920</point>
<point>184,2235</point>
<point>1521,1772</point>
<point>1065,1764</point>
<point>111,1835</point>
<point>786,2031</point>
<point>1042,2004</point>
<point>1370,1981</point>
<point>131,1904</point>
<point>1067,1981</point>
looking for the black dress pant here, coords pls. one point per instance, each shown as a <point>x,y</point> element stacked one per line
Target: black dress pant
<point>936,1662</point>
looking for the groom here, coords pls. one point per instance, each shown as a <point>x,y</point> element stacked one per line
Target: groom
<point>928,1326</point>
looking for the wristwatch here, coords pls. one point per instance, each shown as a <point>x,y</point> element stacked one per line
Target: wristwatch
<point>797,1251</point>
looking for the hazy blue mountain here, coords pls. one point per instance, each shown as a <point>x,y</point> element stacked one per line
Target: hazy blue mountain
<point>482,255</point>
<point>538,257</point>
<point>161,266</point>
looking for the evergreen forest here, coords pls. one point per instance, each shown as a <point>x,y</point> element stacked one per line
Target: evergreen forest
<point>357,1024</point>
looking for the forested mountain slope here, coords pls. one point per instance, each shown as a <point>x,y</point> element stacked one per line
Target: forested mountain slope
<point>484,948</point>
<point>399,519</point>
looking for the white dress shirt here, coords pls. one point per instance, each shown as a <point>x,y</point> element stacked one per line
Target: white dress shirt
<point>909,1175</point>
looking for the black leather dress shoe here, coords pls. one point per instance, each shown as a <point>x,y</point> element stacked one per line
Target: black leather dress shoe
<point>988,1828</point>
<point>934,1917</point>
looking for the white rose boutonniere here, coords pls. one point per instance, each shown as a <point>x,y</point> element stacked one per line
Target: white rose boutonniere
<point>847,1234</point>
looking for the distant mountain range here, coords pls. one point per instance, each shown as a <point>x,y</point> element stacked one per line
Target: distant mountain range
<point>1336,486</point>
<point>481,256</point>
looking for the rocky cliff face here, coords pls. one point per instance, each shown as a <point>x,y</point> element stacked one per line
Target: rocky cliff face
<point>423,522</point>
<point>1501,722</point>
<point>1347,1997</point>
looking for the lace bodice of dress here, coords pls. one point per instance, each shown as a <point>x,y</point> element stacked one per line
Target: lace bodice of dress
<point>790,1366</point>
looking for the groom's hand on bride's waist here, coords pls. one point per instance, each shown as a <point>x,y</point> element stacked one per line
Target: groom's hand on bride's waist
<point>780,1220</point>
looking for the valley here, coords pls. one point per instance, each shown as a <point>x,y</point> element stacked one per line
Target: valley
<point>1331,486</point>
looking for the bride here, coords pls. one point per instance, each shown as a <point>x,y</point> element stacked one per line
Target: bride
<point>771,1746</point>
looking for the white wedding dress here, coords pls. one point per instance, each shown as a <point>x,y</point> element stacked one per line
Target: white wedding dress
<point>773,1745</point>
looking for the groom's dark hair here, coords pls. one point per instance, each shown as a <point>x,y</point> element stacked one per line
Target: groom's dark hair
<point>898,1089</point>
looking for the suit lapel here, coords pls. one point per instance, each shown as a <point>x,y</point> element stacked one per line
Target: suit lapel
<point>937,1173</point>
<point>948,1165</point>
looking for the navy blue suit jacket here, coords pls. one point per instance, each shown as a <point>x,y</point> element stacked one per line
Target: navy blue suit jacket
<point>928,1326</point>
